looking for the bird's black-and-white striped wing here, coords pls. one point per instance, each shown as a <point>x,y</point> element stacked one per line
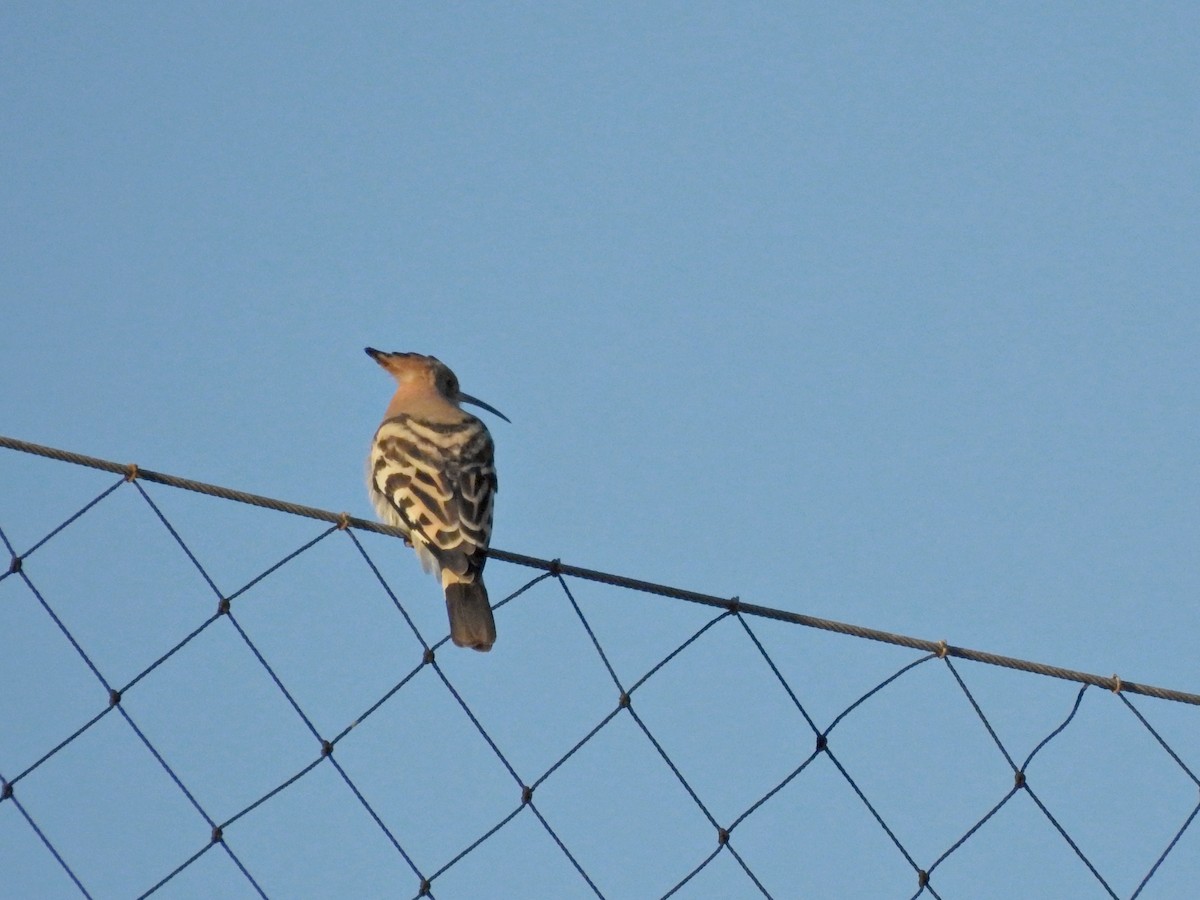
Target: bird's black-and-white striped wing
<point>436,482</point>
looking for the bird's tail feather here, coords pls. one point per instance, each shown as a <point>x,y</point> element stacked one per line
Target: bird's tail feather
<point>471,621</point>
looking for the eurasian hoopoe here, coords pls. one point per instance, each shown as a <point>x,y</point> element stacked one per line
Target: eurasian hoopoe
<point>430,474</point>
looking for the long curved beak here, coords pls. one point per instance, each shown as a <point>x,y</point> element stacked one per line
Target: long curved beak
<point>467,398</point>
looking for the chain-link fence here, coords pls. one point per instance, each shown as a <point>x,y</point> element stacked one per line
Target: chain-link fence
<point>208,693</point>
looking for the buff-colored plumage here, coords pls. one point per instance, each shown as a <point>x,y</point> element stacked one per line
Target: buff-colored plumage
<point>431,474</point>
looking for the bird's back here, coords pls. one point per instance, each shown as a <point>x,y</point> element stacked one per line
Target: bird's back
<point>435,480</point>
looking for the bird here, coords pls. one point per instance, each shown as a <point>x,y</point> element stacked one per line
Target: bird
<point>431,474</point>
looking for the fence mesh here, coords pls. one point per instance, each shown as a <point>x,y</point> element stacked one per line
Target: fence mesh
<point>212,693</point>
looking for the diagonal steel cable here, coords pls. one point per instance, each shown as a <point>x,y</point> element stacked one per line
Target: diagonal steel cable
<point>626,703</point>
<point>549,565</point>
<point>8,794</point>
<point>430,660</point>
<point>114,702</point>
<point>225,610</point>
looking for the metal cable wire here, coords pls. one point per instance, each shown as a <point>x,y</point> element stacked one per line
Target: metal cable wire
<point>734,604</point>
<point>427,872</point>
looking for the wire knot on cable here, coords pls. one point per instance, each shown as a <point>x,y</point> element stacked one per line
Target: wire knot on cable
<point>131,472</point>
<point>526,794</point>
<point>555,567</point>
<point>1116,685</point>
<point>5,791</point>
<point>326,748</point>
<point>735,603</point>
<point>223,607</point>
<point>427,656</point>
<point>343,521</point>
<point>426,888</point>
<point>217,834</point>
<point>722,836</point>
<point>114,698</point>
<point>14,566</point>
<point>922,877</point>
<point>943,649</point>
<point>1019,778</point>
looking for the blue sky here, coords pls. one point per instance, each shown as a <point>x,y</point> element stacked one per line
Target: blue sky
<point>886,314</point>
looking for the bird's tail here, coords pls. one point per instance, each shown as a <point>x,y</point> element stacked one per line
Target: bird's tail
<point>471,621</point>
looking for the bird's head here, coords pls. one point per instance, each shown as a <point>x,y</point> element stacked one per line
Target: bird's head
<point>417,370</point>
